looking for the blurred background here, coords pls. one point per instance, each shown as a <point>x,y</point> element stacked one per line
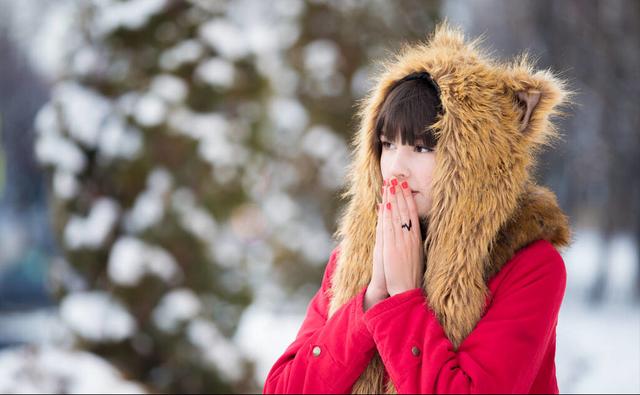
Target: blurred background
<point>170,174</point>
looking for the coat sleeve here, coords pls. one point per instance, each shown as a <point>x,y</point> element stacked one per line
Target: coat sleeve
<point>327,356</point>
<point>501,355</point>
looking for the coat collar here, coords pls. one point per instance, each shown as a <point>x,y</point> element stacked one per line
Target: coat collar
<point>485,204</point>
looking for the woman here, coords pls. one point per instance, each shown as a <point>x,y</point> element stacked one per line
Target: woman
<point>453,284</point>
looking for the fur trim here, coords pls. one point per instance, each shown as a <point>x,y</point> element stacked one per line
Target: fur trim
<point>485,205</point>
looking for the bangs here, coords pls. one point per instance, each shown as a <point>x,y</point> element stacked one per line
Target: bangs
<point>411,107</point>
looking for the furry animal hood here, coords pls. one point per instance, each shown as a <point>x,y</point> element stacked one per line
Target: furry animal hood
<point>496,116</point>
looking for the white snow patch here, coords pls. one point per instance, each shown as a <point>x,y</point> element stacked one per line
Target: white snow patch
<point>188,51</point>
<point>216,72</point>
<point>224,37</point>
<point>321,58</point>
<point>169,87</point>
<point>60,152</point>
<point>65,184</point>
<point>198,126</point>
<point>91,232</point>
<point>150,110</point>
<point>131,15</point>
<point>50,369</point>
<point>321,142</point>
<point>131,259</point>
<point>176,307</point>
<point>193,219</point>
<point>216,349</point>
<point>83,111</point>
<point>279,208</point>
<point>97,316</point>
<point>263,336</point>
<point>119,140</point>
<point>148,208</point>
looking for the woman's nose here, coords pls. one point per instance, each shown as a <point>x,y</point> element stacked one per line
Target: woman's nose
<point>399,168</point>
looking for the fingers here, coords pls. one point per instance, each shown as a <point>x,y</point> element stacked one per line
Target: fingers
<point>379,240</point>
<point>412,210</point>
<point>396,215</point>
<point>406,223</point>
<point>387,222</point>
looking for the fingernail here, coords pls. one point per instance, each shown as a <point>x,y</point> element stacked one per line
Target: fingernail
<point>394,182</point>
<point>392,190</point>
<point>389,205</point>
<point>384,183</point>
<point>404,184</point>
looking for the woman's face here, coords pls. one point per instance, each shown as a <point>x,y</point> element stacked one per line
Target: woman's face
<point>413,164</point>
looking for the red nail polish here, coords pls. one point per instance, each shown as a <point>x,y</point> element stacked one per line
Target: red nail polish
<point>404,184</point>
<point>394,182</point>
<point>389,205</point>
<point>392,190</point>
<point>384,183</point>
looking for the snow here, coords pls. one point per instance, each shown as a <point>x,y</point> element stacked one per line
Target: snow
<point>264,335</point>
<point>198,126</point>
<point>598,348</point>
<point>361,82</point>
<point>225,38</point>
<point>51,148</point>
<point>227,249</point>
<point>65,184</point>
<point>176,307</point>
<point>588,251</point>
<point>279,208</point>
<point>131,14</point>
<point>60,152</point>
<point>216,72</point>
<point>148,208</point>
<point>267,27</point>
<point>195,220</point>
<point>215,349</point>
<point>131,259</point>
<point>97,316</point>
<point>218,150</point>
<point>119,140</point>
<point>289,118</point>
<point>321,57</point>
<point>321,142</point>
<point>185,52</point>
<point>91,232</point>
<point>150,110</point>
<point>83,111</point>
<point>169,87</point>
<point>85,61</point>
<point>49,369</point>
<point>54,38</point>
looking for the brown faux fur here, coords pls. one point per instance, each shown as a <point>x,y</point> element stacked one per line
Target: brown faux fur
<point>485,204</point>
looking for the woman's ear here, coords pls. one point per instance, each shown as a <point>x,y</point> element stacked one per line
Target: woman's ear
<point>528,101</point>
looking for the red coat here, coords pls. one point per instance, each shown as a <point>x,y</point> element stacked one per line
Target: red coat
<point>511,349</point>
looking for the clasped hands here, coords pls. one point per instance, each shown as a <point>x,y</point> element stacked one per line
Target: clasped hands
<point>398,255</point>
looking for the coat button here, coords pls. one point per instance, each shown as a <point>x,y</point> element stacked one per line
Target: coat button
<point>415,351</point>
<point>316,351</point>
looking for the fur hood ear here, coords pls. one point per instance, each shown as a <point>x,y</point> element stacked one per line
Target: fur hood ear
<point>485,204</point>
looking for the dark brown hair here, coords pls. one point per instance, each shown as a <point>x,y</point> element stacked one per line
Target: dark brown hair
<point>410,108</point>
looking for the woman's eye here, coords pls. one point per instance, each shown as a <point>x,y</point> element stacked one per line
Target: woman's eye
<point>421,147</point>
<point>386,144</point>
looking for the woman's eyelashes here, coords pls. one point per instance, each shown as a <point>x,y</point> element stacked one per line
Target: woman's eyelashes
<point>387,145</point>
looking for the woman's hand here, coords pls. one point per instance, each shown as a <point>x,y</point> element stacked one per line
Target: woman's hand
<point>403,254</point>
<point>377,289</point>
